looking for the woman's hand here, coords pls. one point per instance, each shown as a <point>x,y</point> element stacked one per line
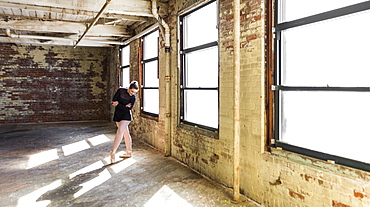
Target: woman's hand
<point>128,105</point>
<point>114,103</point>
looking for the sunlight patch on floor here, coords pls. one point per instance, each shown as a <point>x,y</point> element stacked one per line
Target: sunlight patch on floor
<point>42,157</point>
<point>166,197</point>
<point>100,139</point>
<point>103,176</point>
<point>87,169</point>
<point>50,155</point>
<point>31,198</point>
<point>118,167</point>
<point>75,147</point>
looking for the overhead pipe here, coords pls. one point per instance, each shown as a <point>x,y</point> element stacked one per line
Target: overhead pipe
<point>236,177</point>
<point>167,44</point>
<point>144,32</point>
<point>94,21</point>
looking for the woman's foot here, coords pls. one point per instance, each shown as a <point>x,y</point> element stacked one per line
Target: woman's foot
<point>128,154</point>
<point>112,156</point>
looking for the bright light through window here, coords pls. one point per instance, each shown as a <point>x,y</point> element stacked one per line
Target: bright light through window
<point>100,139</point>
<point>31,198</point>
<point>125,67</point>
<point>298,9</point>
<point>322,76</point>
<point>201,26</point>
<point>103,176</point>
<point>125,56</point>
<point>200,69</point>
<point>42,158</point>
<point>324,43</point>
<point>75,147</point>
<point>150,89</point>
<point>123,165</point>
<point>166,197</point>
<point>87,169</point>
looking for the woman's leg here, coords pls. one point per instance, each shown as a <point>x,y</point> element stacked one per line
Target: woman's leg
<point>128,140</point>
<point>122,127</point>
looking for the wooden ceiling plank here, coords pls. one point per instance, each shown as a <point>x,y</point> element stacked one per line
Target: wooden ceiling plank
<point>128,7</point>
<point>77,16</point>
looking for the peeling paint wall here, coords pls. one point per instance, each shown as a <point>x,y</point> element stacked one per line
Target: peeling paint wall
<point>51,84</point>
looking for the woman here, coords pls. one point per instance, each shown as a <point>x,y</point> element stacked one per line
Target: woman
<point>123,100</point>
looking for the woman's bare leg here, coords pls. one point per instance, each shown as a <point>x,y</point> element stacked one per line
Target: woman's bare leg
<point>128,140</point>
<point>121,131</point>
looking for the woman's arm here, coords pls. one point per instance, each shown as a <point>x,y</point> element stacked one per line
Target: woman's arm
<point>116,95</point>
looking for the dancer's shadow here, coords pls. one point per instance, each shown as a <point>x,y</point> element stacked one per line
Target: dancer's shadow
<point>64,194</point>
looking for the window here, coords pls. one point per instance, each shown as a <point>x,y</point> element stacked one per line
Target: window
<point>150,76</point>
<point>200,71</point>
<point>125,67</point>
<point>322,91</point>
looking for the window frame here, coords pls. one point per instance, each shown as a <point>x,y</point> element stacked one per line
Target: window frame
<point>143,61</point>
<point>274,81</point>
<point>182,54</point>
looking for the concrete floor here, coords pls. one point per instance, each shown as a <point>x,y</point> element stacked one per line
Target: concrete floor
<point>67,164</point>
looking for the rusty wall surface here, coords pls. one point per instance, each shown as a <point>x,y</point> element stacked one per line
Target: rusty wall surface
<point>52,84</point>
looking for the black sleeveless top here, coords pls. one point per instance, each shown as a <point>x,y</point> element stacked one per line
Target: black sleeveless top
<point>122,112</point>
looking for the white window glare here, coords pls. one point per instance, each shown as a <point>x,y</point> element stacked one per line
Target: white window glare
<point>151,100</point>
<point>201,106</point>
<point>320,54</point>
<point>125,77</point>
<point>200,64</point>
<point>200,67</point>
<point>151,45</point>
<point>328,122</point>
<point>150,88</point>
<point>125,67</point>
<point>293,9</point>
<point>326,64</point>
<point>125,56</point>
<point>201,26</point>
<point>151,74</point>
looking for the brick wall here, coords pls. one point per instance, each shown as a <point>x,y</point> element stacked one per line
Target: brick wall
<point>149,130</point>
<point>275,179</point>
<point>51,84</point>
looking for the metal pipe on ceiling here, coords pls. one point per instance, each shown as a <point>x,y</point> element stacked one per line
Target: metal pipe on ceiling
<point>144,32</point>
<point>94,21</point>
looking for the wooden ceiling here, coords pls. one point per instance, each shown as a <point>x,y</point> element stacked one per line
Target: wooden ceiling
<point>95,23</point>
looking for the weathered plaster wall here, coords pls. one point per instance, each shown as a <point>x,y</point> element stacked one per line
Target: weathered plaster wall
<point>51,84</point>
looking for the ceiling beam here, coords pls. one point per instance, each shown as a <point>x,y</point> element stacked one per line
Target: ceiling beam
<point>54,41</point>
<point>63,27</point>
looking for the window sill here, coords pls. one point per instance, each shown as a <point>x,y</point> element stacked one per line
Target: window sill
<point>147,116</point>
<point>198,130</point>
<point>319,164</point>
